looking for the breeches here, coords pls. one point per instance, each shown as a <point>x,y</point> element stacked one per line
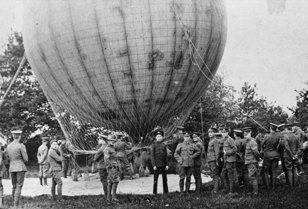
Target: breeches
<point>270,165</point>
<point>228,170</point>
<point>18,179</point>
<point>215,170</point>
<point>103,174</point>
<point>186,172</point>
<point>43,168</point>
<point>56,177</point>
<point>252,171</point>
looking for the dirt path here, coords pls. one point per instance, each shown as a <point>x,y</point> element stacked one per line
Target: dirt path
<point>94,187</point>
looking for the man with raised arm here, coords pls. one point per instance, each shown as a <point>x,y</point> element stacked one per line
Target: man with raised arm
<point>66,155</point>
<point>99,157</point>
<point>42,160</point>
<point>55,161</point>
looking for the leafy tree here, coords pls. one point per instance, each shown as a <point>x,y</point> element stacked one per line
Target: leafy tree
<point>25,104</point>
<point>257,112</point>
<point>301,110</point>
<point>217,105</point>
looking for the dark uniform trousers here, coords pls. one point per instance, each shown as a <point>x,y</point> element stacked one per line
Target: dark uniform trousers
<point>185,172</point>
<point>291,167</point>
<point>163,171</point>
<point>18,179</point>
<point>270,169</point>
<point>228,174</point>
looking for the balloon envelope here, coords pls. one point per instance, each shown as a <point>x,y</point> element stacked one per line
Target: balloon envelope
<point>128,64</point>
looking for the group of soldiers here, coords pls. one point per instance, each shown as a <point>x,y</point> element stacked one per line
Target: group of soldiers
<point>233,161</point>
<point>13,157</point>
<point>241,160</point>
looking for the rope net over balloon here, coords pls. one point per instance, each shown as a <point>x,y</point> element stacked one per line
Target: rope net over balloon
<point>125,66</point>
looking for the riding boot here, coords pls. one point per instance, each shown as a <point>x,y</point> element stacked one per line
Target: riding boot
<point>105,188</point>
<point>1,196</point>
<point>216,185</point>
<point>45,181</point>
<point>255,187</point>
<point>114,192</point>
<point>266,181</point>
<point>225,182</point>
<point>109,188</point>
<point>290,178</point>
<point>181,185</point>
<point>246,182</point>
<point>187,186</point>
<point>41,180</point>
<point>198,184</point>
<point>53,190</point>
<point>16,201</point>
<point>59,190</point>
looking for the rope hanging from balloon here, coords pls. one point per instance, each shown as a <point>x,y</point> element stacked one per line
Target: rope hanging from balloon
<point>194,61</point>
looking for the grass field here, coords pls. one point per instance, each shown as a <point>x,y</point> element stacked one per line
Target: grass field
<point>281,197</point>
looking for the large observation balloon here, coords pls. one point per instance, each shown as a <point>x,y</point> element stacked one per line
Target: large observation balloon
<point>128,64</point>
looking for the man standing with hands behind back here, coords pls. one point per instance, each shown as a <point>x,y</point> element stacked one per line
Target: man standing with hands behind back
<point>159,160</point>
<point>42,160</point>
<point>18,156</point>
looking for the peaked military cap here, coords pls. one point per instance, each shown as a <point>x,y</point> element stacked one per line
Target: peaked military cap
<point>217,134</point>
<point>16,130</point>
<point>186,134</point>
<point>281,126</point>
<point>247,129</point>
<point>159,132</point>
<point>238,131</point>
<point>214,127</point>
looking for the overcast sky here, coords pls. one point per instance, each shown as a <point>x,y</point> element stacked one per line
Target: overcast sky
<point>266,46</point>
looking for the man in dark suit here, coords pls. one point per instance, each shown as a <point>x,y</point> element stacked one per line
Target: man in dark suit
<point>159,160</point>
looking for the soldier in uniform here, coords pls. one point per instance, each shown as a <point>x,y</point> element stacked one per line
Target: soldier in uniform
<point>66,157</point>
<point>213,156</point>
<point>251,159</point>
<point>269,147</point>
<point>239,155</point>
<point>17,154</point>
<point>281,147</point>
<point>159,158</point>
<point>42,160</point>
<point>111,160</point>
<point>292,149</point>
<point>228,170</point>
<point>55,161</point>
<point>120,147</point>
<point>185,154</point>
<point>198,161</point>
<point>99,157</point>
<point>301,135</point>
